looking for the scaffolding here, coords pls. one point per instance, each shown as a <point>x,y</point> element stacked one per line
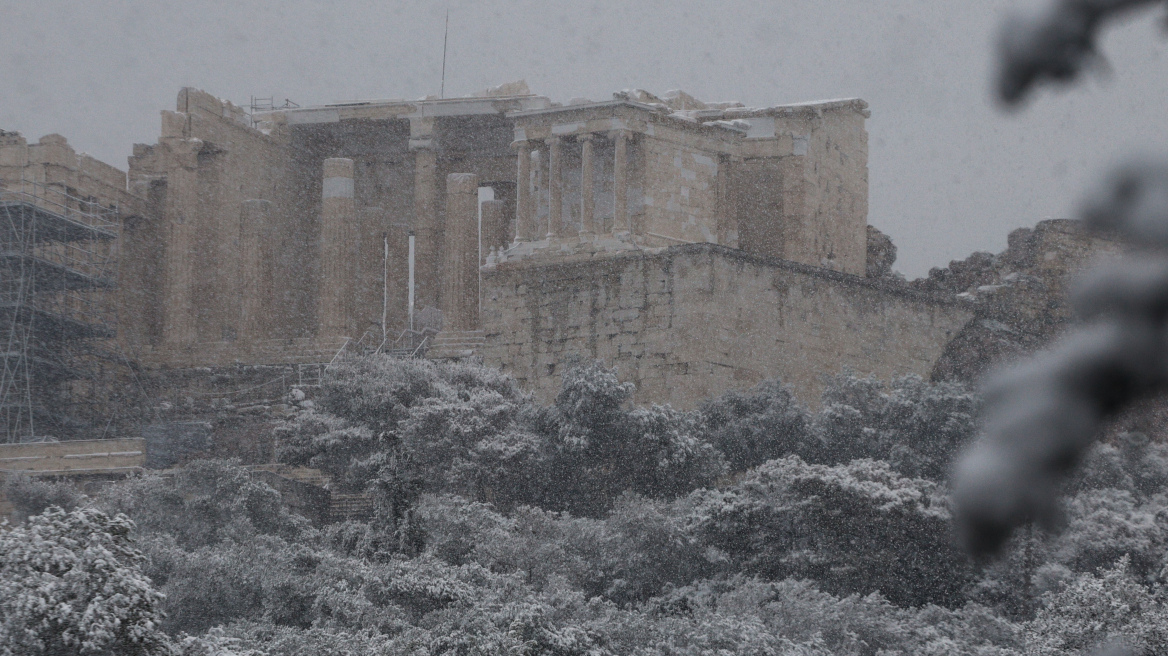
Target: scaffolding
<point>57,272</point>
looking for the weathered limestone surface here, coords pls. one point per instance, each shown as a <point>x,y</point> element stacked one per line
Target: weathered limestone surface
<point>255,268</point>
<point>788,182</point>
<point>260,245</point>
<point>271,239</point>
<point>681,201</point>
<point>337,250</point>
<point>828,176</point>
<point>460,292</point>
<point>94,457</point>
<point>51,161</point>
<point>524,204</point>
<point>693,321</point>
<point>427,225</point>
<point>207,165</point>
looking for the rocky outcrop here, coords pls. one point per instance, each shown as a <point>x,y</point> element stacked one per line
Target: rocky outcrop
<point>881,254</point>
<point>1019,295</point>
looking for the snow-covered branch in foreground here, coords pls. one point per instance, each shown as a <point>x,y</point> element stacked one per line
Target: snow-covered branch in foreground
<point>1055,44</point>
<point>1043,415</point>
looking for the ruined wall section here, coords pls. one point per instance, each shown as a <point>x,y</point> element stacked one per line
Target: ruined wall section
<point>383,179</point>
<point>1020,296</point>
<point>52,161</point>
<point>224,200</point>
<point>385,196</point>
<point>480,145</point>
<point>694,321</point>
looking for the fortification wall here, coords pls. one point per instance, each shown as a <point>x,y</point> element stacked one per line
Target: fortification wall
<point>78,457</point>
<point>693,321</point>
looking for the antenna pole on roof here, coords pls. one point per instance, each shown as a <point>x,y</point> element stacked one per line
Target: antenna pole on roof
<point>445,36</point>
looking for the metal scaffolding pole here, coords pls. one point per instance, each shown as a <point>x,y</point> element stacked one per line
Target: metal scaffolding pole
<point>57,269</point>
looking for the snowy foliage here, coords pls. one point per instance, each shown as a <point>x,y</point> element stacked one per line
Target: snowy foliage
<point>1043,415</point>
<point>70,583</point>
<point>399,428</point>
<point>204,503</point>
<point>592,527</point>
<point>753,426</point>
<point>32,497</point>
<point>1096,610</point>
<point>874,530</point>
<point>1055,44</point>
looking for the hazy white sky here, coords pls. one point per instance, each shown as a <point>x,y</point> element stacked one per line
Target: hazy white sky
<point>949,173</point>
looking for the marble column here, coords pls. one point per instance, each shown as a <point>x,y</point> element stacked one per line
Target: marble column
<point>620,174</point>
<point>255,268</point>
<point>183,208</point>
<point>427,231</point>
<point>524,207</point>
<point>337,215</point>
<point>460,276</point>
<point>587,188</point>
<point>556,186</point>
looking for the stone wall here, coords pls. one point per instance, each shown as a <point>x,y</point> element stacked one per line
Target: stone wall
<point>681,192</point>
<point>837,204</point>
<point>52,161</point>
<point>800,183</point>
<point>77,457</point>
<point>690,322</point>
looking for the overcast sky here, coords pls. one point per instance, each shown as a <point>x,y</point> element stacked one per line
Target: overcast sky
<point>949,173</point>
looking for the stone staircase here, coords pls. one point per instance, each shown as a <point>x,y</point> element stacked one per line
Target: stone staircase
<point>449,345</point>
<point>336,507</point>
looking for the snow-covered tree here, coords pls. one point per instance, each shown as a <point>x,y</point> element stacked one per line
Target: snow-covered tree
<point>753,426</point>
<point>71,583</point>
<point>855,528</point>
<point>1097,609</point>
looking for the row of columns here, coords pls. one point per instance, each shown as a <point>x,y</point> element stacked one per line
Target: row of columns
<point>459,275</point>
<point>458,280</point>
<point>525,220</point>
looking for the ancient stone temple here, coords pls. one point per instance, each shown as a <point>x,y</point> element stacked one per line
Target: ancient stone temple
<point>697,247</point>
